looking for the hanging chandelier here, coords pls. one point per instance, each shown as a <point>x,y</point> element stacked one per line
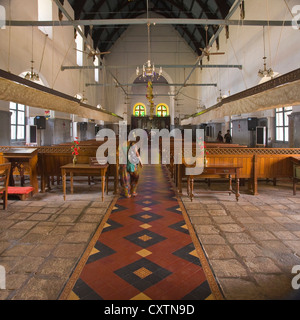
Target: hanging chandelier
<point>149,70</point>
<point>266,74</point>
<point>31,75</point>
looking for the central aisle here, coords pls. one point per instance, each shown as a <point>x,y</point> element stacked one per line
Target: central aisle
<point>144,249</point>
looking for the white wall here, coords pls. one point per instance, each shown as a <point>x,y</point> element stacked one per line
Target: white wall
<point>16,51</point>
<point>131,50</point>
<point>245,47</point>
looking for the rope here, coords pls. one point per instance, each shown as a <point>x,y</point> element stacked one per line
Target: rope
<point>9,37</point>
<point>63,61</point>
<point>269,34</point>
<point>289,8</point>
<point>238,63</point>
<point>46,36</point>
<point>277,49</point>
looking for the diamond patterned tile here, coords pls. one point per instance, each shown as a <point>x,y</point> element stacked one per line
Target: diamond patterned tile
<point>144,251</point>
<point>175,209</point>
<point>145,226</point>
<point>118,208</point>
<point>84,292</point>
<point>180,226</point>
<point>146,217</point>
<point>188,253</point>
<point>142,274</point>
<point>111,225</point>
<point>100,251</point>
<point>202,292</point>
<point>148,202</point>
<point>145,238</point>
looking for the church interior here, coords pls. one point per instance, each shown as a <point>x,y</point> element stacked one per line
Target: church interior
<point>220,80</point>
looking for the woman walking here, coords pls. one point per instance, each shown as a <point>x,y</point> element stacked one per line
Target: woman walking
<point>129,173</point>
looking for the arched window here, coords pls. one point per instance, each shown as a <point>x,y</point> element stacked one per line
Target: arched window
<point>162,110</point>
<point>139,110</point>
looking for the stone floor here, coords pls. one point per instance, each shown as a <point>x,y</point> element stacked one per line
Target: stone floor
<point>251,244</point>
<point>42,239</point>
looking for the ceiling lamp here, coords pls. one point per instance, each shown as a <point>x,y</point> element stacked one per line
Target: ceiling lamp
<point>221,97</point>
<point>149,70</point>
<point>266,74</point>
<point>31,75</point>
<point>83,98</point>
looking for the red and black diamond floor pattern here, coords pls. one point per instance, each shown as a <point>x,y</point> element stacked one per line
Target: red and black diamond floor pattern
<point>145,251</point>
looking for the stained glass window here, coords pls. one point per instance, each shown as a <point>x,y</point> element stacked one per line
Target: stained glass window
<point>139,110</point>
<point>162,110</point>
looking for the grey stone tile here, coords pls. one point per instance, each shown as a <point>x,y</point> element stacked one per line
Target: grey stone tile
<point>57,267</point>
<point>262,265</point>
<point>241,289</point>
<point>219,252</point>
<point>230,268</point>
<point>236,238</point>
<point>68,250</point>
<point>40,289</point>
<point>248,250</point>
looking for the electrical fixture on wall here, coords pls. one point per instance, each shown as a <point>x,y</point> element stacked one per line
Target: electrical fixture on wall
<point>266,74</point>
<point>149,70</point>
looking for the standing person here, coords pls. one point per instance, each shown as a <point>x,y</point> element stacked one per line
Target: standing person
<point>219,137</point>
<point>129,173</point>
<point>227,137</point>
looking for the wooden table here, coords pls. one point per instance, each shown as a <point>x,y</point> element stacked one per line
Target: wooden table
<point>296,172</point>
<point>215,172</point>
<point>83,168</point>
<point>23,158</point>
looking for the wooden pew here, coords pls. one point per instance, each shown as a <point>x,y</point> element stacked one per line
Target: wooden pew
<point>257,163</point>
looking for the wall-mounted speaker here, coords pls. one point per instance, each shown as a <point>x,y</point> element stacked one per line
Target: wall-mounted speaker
<point>252,124</point>
<point>40,122</point>
<point>83,126</point>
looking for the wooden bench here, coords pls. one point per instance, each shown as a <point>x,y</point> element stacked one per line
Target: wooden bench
<point>22,192</point>
<point>256,163</point>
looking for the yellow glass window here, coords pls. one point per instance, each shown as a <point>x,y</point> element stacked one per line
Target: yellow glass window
<point>162,110</point>
<point>139,111</point>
